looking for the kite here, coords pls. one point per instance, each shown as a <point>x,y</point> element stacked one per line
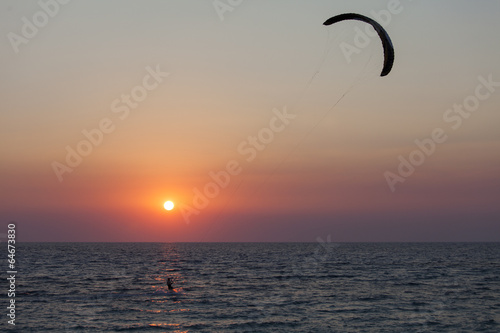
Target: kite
<point>384,37</point>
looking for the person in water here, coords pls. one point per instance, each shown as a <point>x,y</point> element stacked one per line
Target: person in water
<point>169,284</point>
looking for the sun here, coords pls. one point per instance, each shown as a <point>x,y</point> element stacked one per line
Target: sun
<point>168,205</point>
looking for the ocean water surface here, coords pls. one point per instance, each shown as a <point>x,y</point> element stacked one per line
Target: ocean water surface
<point>258,287</point>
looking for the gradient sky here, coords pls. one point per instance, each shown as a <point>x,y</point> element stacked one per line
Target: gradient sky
<point>322,174</point>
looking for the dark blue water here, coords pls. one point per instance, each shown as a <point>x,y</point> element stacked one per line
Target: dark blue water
<point>258,287</point>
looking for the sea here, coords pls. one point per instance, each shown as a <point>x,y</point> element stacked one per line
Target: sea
<point>256,287</point>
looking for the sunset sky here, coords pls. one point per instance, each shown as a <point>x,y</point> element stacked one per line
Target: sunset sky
<point>251,117</point>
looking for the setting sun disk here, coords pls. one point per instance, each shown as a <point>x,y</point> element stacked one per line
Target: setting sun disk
<point>168,205</point>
